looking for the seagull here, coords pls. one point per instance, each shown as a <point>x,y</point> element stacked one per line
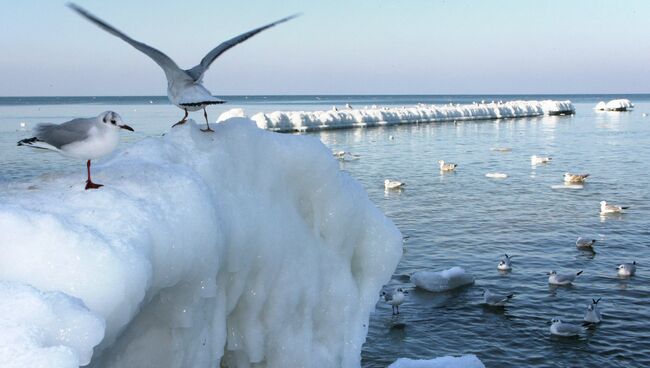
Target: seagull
<point>583,243</point>
<point>536,160</point>
<point>562,279</point>
<point>184,87</point>
<point>505,264</point>
<point>394,298</point>
<point>575,178</point>
<point>610,208</point>
<point>393,184</point>
<point>82,138</point>
<point>345,155</point>
<point>627,269</point>
<point>495,300</point>
<point>560,328</point>
<point>593,314</point>
<point>446,166</point>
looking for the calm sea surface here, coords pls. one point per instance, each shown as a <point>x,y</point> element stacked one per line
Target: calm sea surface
<point>463,218</point>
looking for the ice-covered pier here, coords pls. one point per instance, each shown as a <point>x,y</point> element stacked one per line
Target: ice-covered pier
<point>239,248</point>
<point>300,121</point>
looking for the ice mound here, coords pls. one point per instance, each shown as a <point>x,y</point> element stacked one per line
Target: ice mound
<point>615,105</point>
<point>443,280</point>
<point>236,248</point>
<point>45,329</point>
<point>465,361</point>
<point>286,121</point>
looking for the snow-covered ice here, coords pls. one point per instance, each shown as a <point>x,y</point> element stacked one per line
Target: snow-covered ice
<point>443,280</point>
<point>464,361</point>
<point>286,121</point>
<point>238,247</point>
<point>615,105</point>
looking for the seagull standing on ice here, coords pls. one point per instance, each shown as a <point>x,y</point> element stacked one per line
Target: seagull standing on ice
<point>184,87</point>
<point>394,298</point>
<point>495,300</point>
<point>562,279</point>
<point>83,138</point>
<point>560,328</point>
<point>593,314</point>
<point>583,243</point>
<point>446,166</point>
<point>575,178</point>
<point>610,208</point>
<point>627,269</point>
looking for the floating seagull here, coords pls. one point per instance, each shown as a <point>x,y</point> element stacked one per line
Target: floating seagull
<point>83,138</point>
<point>627,269</point>
<point>575,178</point>
<point>593,314</point>
<point>394,298</point>
<point>562,279</point>
<point>184,87</point>
<point>345,155</point>
<point>447,166</point>
<point>496,175</point>
<point>583,243</point>
<point>393,184</point>
<point>610,208</point>
<point>560,328</point>
<point>505,264</point>
<point>536,160</point>
<point>495,300</point>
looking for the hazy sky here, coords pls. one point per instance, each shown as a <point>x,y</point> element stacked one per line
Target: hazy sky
<point>336,47</point>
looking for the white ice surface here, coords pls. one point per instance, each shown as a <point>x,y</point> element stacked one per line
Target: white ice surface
<point>615,105</point>
<point>443,280</point>
<point>346,118</point>
<point>235,247</point>
<point>45,329</point>
<point>464,361</point>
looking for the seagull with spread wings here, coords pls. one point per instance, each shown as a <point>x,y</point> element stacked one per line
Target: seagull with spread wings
<point>184,87</point>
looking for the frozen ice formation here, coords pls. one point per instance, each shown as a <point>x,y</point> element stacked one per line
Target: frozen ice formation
<point>464,361</point>
<point>286,121</point>
<point>615,105</point>
<point>443,280</point>
<point>45,329</point>
<point>237,248</point>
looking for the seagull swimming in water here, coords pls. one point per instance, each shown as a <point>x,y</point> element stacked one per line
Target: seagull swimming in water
<point>536,160</point>
<point>394,298</point>
<point>83,138</point>
<point>626,269</point>
<point>593,313</point>
<point>560,328</point>
<point>393,184</point>
<point>505,264</point>
<point>446,166</point>
<point>610,208</point>
<point>575,178</point>
<point>495,300</point>
<point>583,243</point>
<point>562,279</point>
<point>184,87</point>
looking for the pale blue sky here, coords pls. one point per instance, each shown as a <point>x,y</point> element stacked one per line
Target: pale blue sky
<point>336,47</point>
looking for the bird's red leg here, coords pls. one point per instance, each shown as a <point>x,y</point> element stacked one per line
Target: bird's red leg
<point>183,120</point>
<point>89,182</point>
<point>205,114</point>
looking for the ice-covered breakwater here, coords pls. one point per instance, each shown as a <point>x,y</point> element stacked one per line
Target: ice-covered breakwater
<point>237,248</point>
<point>288,121</point>
<point>622,104</point>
